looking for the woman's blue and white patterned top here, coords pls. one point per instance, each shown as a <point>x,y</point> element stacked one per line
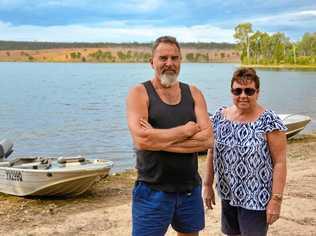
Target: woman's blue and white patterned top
<point>242,160</point>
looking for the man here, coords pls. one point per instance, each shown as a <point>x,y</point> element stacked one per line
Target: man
<point>169,124</point>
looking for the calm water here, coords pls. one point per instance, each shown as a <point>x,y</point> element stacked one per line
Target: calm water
<point>71,109</point>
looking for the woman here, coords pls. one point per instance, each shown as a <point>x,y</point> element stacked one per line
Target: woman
<point>249,160</point>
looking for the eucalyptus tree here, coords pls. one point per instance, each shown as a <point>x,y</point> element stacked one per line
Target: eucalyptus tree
<point>255,47</point>
<point>242,35</point>
<point>278,43</point>
<point>307,46</point>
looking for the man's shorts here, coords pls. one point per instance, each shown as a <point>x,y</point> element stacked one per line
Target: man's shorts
<point>240,221</point>
<point>153,211</point>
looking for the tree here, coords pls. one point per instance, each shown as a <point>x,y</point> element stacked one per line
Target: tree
<point>307,46</point>
<point>190,57</point>
<point>75,55</point>
<point>262,48</point>
<point>121,56</point>
<point>294,52</point>
<point>255,46</point>
<point>279,43</point>
<point>242,34</point>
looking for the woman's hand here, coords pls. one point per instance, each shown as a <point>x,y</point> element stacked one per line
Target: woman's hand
<point>273,211</point>
<point>208,196</point>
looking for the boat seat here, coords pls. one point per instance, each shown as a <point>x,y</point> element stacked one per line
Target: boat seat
<point>4,163</point>
<point>22,160</point>
<point>63,160</point>
<point>6,148</point>
<point>34,165</point>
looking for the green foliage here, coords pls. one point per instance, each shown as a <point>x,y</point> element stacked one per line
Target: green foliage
<point>201,57</point>
<point>121,56</point>
<point>242,35</point>
<point>197,57</point>
<point>133,56</point>
<point>262,48</point>
<point>307,46</point>
<point>75,55</point>
<point>190,57</point>
<point>140,56</point>
<point>129,56</point>
<point>102,56</point>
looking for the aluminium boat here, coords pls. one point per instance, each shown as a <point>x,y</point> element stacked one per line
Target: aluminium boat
<point>48,176</point>
<point>295,123</point>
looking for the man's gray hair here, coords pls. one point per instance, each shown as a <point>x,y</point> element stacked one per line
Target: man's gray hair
<point>165,39</point>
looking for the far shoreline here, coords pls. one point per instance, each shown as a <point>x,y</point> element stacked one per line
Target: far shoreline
<point>117,62</point>
<point>237,63</point>
<point>280,66</point>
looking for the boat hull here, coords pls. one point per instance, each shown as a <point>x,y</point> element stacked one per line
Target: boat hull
<point>294,123</point>
<point>73,180</point>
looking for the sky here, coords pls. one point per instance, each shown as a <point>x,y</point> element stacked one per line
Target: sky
<point>143,21</point>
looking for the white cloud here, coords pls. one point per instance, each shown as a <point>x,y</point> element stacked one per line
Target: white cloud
<point>140,6</point>
<point>144,5</point>
<point>113,32</point>
<point>289,18</point>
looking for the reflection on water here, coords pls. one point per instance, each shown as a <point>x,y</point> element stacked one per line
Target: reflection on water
<point>71,109</point>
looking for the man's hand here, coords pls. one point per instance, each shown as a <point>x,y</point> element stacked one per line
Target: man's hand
<point>144,124</point>
<point>191,128</point>
<point>273,211</point>
<point>208,196</point>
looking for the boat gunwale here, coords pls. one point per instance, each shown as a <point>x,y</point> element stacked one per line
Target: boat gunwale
<point>94,167</point>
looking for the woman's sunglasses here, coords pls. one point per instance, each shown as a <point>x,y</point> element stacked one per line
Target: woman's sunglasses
<point>247,91</point>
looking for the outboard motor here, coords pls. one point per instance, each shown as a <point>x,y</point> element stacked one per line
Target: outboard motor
<point>6,148</point>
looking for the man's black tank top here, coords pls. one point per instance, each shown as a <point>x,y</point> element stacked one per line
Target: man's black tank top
<point>169,171</point>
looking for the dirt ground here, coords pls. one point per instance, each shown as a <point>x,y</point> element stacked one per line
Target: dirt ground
<point>105,209</point>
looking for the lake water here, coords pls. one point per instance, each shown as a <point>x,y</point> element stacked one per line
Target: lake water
<point>79,109</point>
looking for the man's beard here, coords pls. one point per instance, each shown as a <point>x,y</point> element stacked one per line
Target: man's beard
<point>168,79</point>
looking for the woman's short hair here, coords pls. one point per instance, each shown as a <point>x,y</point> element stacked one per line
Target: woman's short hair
<point>244,75</point>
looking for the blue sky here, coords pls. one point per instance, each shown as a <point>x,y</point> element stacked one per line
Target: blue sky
<point>143,21</point>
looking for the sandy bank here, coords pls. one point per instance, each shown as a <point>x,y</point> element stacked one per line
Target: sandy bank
<point>105,209</point>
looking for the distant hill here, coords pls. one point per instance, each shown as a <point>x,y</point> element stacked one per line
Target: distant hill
<point>110,52</point>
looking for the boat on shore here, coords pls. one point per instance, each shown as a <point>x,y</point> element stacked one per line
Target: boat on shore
<point>48,176</point>
<point>295,123</point>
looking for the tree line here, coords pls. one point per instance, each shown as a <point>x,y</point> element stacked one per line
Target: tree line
<point>21,45</point>
<point>120,56</point>
<point>140,56</point>
<point>265,49</point>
